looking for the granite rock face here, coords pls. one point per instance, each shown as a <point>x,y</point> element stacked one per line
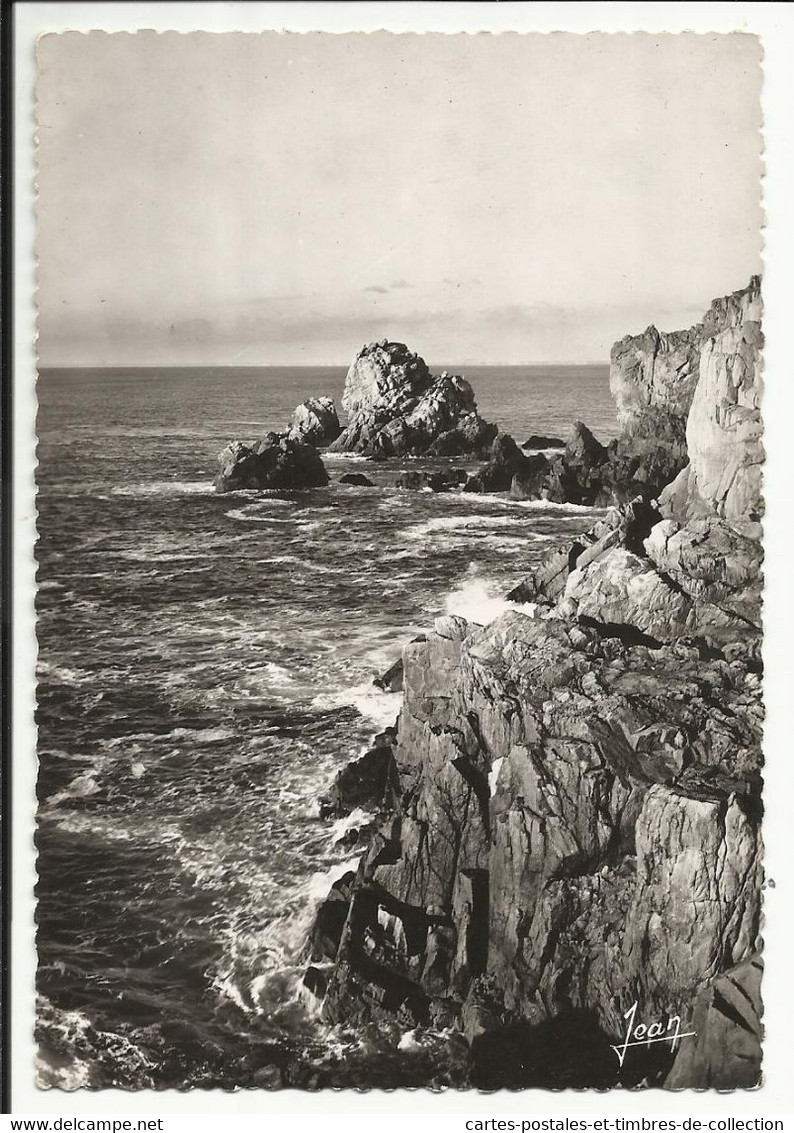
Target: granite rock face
<point>315,422</point>
<point>653,376</point>
<point>396,407</point>
<point>726,1049</point>
<point>577,829</point>
<point>573,824</point>
<point>585,472</point>
<point>277,461</point>
<point>724,427</point>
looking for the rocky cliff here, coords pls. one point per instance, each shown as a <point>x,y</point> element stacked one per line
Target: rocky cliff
<point>724,427</point>
<point>653,376</point>
<point>571,803</point>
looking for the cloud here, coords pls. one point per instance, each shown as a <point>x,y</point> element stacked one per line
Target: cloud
<point>472,281</point>
<point>395,285</point>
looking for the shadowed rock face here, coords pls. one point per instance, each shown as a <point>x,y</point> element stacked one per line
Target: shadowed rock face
<point>277,461</point>
<point>653,376</point>
<point>575,826</point>
<point>585,472</point>
<point>576,798</point>
<point>397,407</point>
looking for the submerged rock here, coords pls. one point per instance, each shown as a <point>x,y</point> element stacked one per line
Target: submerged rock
<point>410,481</point>
<point>315,421</point>
<point>396,407</point>
<point>356,478</point>
<point>536,442</point>
<point>277,461</point>
<point>444,481</point>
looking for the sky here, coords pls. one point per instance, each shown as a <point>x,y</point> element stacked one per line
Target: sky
<point>230,199</point>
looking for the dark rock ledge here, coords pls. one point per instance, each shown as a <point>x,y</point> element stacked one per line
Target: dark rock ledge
<point>570,805</point>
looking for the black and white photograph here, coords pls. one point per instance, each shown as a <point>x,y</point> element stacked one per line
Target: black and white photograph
<point>399,561</point>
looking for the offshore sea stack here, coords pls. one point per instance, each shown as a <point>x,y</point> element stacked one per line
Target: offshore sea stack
<point>315,421</point>
<point>279,460</point>
<point>396,407</point>
<point>572,828</point>
<point>285,460</point>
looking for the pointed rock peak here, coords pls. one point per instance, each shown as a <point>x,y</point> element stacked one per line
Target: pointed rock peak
<point>582,447</point>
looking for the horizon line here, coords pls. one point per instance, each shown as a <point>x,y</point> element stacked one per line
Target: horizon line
<point>293,365</point>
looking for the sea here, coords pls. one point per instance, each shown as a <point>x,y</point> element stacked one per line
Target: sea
<point>206,665</point>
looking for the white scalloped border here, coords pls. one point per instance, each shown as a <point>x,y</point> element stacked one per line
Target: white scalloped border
<point>424,18</point>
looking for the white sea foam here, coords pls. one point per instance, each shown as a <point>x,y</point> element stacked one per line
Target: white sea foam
<point>247,515</point>
<point>77,1032</point>
<point>266,965</point>
<point>165,488</point>
<point>459,525</point>
<point>61,673</point>
<point>382,708</point>
<point>491,499</point>
<point>353,821</point>
<point>346,457</point>
<point>548,505</point>
<point>72,1027</point>
<point>197,735</point>
<point>476,601</point>
<point>408,1041</point>
<point>81,787</point>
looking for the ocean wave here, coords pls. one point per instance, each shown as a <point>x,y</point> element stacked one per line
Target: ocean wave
<point>381,708</point>
<point>161,557</point>
<point>197,735</point>
<point>248,515</point>
<point>263,969</point>
<point>61,674</point>
<point>165,488</point>
<point>461,524</point>
<point>515,544</point>
<point>481,601</point>
<point>498,499</point>
<point>395,501</point>
<point>295,560</point>
<point>346,457</point>
<point>353,821</point>
<point>88,1045</point>
<point>81,787</point>
<point>549,505</point>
